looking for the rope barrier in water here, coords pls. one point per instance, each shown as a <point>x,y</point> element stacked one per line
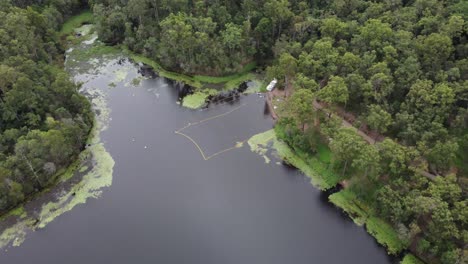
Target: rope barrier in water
<point>238,144</point>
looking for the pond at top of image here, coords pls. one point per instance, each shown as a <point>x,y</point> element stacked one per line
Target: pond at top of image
<point>186,188</point>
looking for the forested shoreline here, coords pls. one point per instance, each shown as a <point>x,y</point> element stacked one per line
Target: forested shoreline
<point>397,70</point>
<point>44,121</point>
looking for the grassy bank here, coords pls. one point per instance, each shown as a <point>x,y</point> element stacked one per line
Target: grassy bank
<point>311,166</point>
<point>200,82</point>
<point>162,72</point>
<point>363,214</point>
<point>85,17</point>
<point>348,202</point>
<point>411,259</point>
<point>317,168</point>
<point>228,82</point>
<point>228,78</point>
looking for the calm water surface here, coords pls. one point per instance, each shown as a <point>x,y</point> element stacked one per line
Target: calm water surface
<point>169,205</point>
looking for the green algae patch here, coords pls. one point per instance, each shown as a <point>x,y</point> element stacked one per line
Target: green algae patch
<point>84,179</point>
<point>120,75</point>
<point>411,259</point>
<point>197,99</point>
<point>386,235</point>
<point>90,186</point>
<point>83,169</point>
<point>259,143</point>
<point>136,81</point>
<point>16,234</point>
<point>94,165</point>
<point>320,176</point>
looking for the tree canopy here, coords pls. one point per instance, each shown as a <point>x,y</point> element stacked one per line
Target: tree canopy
<point>44,121</point>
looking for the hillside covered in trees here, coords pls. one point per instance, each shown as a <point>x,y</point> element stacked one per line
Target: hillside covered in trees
<point>395,69</point>
<point>44,121</point>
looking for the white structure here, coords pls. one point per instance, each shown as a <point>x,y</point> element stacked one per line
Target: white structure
<point>272,85</point>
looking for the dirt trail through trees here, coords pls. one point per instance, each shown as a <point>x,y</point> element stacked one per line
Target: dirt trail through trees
<point>317,105</point>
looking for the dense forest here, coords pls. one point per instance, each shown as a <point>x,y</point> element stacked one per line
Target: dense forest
<point>395,69</point>
<point>44,121</point>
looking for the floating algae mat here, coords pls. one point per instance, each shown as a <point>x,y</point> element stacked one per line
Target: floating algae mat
<point>83,180</point>
<point>266,142</point>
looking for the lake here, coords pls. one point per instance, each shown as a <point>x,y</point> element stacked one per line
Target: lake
<point>201,197</point>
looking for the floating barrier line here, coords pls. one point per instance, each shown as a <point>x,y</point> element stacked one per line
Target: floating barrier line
<point>179,132</point>
<point>195,143</point>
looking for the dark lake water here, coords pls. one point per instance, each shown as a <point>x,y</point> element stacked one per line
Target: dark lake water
<point>168,205</point>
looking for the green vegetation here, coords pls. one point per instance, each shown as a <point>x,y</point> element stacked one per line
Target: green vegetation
<point>411,259</point>
<point>164,73</point>
<point>94,166</point>
<point>309,165</point>
<point>225,79</point>
<point>85,17</point>
<point>320,176</point>
<point>385,235</point>
<point>323,153</point>
<point>195,101</point>
<point>461,160</point>
<point>94,51</point>
<point>90,186</point>
<point>44,121</point>
<point>260,143</point>
<point>397,69</point>
<point>199,82</point>
<point>348,201</point>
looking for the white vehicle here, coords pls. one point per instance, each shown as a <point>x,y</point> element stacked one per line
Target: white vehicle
<point>272,85</point>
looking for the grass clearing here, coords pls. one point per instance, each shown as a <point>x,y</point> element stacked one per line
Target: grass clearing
<point>362,214</point>
<point>324,153</point>
<point>234,83</point>
<point>320,174</point>
<point>461,159</point>
<point>85,17</point>
<point>385,235</point>
<point>229,78</point>
<point>348,202</point>
<point>411,259</point>
<point>96,50</point>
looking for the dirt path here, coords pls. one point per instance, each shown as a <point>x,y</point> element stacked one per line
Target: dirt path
<point>345,123</point>
<point>317,105</point>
